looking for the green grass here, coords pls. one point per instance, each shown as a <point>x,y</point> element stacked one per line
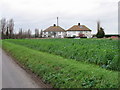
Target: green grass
<point>102,52</point>
<point>61,72</point>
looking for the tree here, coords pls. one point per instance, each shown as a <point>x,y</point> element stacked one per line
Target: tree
<point>100,33</point>
<point>29,33</point>
<point>7,33</point>
<point>24,34</point>
<point>41,33</point>
<point>36,33</point>
<point>20,33</point>
<point>3,27</point>
<point>11,27</point>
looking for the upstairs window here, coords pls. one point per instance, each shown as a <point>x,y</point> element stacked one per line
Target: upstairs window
<point>81,27</point>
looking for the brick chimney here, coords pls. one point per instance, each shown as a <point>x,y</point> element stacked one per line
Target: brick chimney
<point>54,25</point>
<point>98,25</point>
<point>78,24</point>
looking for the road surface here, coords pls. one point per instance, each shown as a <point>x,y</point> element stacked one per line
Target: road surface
<point>0,70</point>
<point>13,76</point>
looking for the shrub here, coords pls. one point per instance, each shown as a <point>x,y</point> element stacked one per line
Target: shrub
<point>100,33</point>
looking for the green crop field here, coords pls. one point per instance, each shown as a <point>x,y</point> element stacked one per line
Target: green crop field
<point>101,52</point>
<point>69,63</point>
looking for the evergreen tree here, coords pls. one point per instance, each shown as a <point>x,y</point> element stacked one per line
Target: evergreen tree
<point>100,33</point>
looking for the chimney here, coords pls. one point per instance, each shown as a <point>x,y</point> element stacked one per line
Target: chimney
<point>54,25</point>
<point>78,24</point>
<point>98,25</point>
<point>57,21</point>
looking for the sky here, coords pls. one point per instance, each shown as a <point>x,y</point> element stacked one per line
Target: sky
<point>31,14</point>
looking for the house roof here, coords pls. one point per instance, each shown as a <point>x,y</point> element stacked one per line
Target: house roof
<point>79,28</point>
<point>55,29</point>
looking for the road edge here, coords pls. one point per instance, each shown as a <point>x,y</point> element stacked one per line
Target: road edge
<point>33,76</point>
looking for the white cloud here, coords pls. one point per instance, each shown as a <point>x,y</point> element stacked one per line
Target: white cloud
<point>42,13</point>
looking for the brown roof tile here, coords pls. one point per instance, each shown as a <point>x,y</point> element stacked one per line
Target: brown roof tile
<point>79,28</point>
<point>54,28</point>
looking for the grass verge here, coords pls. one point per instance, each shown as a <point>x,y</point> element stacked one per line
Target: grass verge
<point>61,72</point>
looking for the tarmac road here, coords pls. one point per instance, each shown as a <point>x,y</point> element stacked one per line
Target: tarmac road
<point>13,76</point>
<point>0,70</point>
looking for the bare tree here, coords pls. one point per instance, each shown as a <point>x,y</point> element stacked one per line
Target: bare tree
<point>20,34</point>
<point>7,33</point>
<point>3,27</point>
<point>11,27</point>
<point>25,34</point>
<point>29,33</point>
<point>36,33</point>
<point>41,33</point>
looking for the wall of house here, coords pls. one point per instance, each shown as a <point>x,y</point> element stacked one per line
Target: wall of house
<point>61,34</point>
<point>76,33</point>
<point>54,34</point>
<point>45,34</point>
<point>67,34</point>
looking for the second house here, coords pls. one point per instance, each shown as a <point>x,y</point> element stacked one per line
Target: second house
<point>79,31</point>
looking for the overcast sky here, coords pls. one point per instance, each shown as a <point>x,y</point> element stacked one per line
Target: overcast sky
<point>31,14</point>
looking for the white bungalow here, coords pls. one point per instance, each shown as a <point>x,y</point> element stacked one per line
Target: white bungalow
<point>76,30</point>
<point>54,32</point>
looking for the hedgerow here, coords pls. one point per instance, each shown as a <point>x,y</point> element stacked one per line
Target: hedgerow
<point>102,52</point>
<point>61,72</point>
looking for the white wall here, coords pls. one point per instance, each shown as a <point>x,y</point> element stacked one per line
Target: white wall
<point>58,34</point>
<point>76,33</point>
<point>69,34</point>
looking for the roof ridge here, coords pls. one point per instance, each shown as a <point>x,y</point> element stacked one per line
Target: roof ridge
<point>54,28</point>
<point>78,28</point>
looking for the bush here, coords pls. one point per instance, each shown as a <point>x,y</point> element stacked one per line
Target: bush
<point>100,33</point>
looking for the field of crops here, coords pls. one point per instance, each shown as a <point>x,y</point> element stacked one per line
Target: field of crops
<point>58,71</point>
<point>103,52</point>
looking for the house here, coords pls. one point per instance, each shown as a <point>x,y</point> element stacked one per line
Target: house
<point>54,32</point>
<point>78,31</point>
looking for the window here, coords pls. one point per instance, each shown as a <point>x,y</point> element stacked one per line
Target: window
<point>81,31</point>
<point>81,27</point>
<point>74,32</point>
